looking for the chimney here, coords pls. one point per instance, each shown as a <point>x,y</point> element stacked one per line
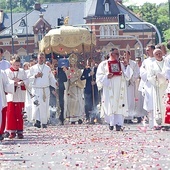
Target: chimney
<point>1,16</point>
<point>119,1</point>
<point>37,6</point>
<point>41,15</point>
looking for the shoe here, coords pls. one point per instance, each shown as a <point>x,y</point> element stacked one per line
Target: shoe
<point>62,123</point>
<point>165,128</point>
<point>139,119</point>
<point>118,128</point>
<point>1,137</point>
<point>157,128</point>
<point>125,121</point>
<point>12,135</point>
<point>6,135</point>
<point>20,136</point>
<point>111,127</point>
<point>37,124</point>
<point>129,121</point>
<point>92,122</point>
<point>80,121</point>
<point>99,121</point>
<point>73,123</point>
<point>44,126</point>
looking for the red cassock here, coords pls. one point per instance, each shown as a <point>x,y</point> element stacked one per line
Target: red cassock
<point>3,122</point>
<point>167,113</point>
<point>15,102</point>
<point>15,116</point>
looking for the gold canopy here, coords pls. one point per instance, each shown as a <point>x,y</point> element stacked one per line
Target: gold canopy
<point>67,39</point>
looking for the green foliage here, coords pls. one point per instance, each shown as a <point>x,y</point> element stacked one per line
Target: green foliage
<point>158,15</point>
<point>167,35</point>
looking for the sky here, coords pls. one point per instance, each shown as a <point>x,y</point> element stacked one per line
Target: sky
<point>141,2</point>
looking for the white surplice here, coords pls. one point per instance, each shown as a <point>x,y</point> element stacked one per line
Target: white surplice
<point>40,88</point>
<point>19,95</point>
<point>131,85</point>
<point>159,83</point>
<point>7,86</point>
<point>114,97</point>
<point>145,86</point>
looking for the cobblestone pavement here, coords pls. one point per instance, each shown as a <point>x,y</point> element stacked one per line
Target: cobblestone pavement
<point>90,147</point>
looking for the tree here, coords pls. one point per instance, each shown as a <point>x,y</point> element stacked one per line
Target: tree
<point>167,35</point>
<point>158,15</point>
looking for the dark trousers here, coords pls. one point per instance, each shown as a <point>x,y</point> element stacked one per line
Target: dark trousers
<point>88,105</point>
<point>61,102</point>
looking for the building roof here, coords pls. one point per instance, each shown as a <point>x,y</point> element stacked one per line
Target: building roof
<point>51,12</point>
<point>97,8</point>
<point>76,11</point>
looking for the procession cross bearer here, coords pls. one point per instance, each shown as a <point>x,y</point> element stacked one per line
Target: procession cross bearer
<point>42,77</point>
<point>111,76</point>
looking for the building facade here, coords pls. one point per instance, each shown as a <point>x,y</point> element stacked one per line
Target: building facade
<point>99,16</point>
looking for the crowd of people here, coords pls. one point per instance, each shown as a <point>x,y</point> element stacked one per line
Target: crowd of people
<point>136,89</point>
<point>125,89</point>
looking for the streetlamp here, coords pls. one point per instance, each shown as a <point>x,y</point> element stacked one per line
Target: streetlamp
<point>12,36</point>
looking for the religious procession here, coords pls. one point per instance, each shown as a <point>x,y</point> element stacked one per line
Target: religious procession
<point>118,90</point>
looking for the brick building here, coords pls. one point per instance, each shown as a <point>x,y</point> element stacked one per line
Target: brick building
<point>29,28</point>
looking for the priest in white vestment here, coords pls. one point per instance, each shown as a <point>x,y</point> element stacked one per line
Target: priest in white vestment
<point>42,77</point>
<point>159,83</point>
<point>145,86</point>
<point>75,105</point>
<point>114,97</point>
<point>131,87</point>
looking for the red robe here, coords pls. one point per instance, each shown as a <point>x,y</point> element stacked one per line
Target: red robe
<point>15,101</point>
<point>167,113</point>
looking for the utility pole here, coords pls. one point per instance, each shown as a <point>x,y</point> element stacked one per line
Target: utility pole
<point>12,36</point>
<point>26,29</point>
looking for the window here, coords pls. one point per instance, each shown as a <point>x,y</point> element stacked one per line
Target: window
<point>107,7</point>
<point>5,43</point>
<point>107,31</point>
<point>40,36</point>
<point>21,42</point>
<point>20,30</point>
<point>22,23</point>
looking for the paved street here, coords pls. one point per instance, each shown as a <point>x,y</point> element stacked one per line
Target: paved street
<point>90,147</point>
